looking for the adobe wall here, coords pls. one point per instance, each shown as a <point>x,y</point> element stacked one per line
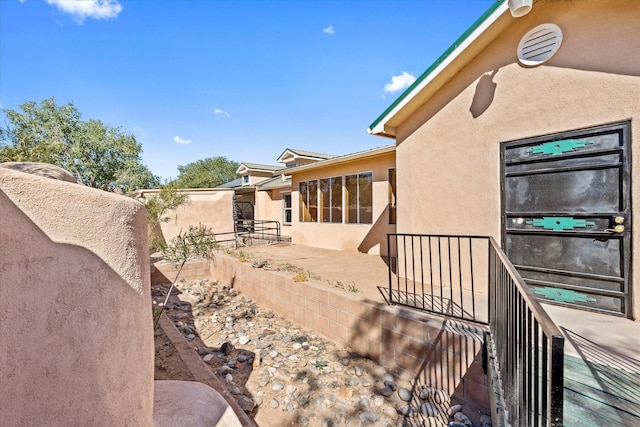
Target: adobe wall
<point>76,338</point>
<point>366,238</point>
<point>439,353</point>
<point>448,152</point>
<point>212,208</point>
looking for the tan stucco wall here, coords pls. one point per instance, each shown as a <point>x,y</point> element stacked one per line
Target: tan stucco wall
<point>268,207</point>
<point>76,338</point>
<point>449,162</point>
<point>212,208</point>
<point>367,238</point>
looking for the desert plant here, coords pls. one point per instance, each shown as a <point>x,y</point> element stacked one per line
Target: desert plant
<point>353,288</point>
<point>157,206</point>
<point>287,267</point>
<point>196,242</point>
<point>301,277</point>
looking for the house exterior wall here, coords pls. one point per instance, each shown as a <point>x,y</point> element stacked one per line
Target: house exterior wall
<point>367,238</point>
<point>268,207</point>
<point>212,208</point>
<point>448,151</point>
<point>76,337</point>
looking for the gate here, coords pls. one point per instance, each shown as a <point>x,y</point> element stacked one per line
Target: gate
<point>566,216</point>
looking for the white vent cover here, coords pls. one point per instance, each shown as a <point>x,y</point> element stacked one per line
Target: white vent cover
<point>539,44</point>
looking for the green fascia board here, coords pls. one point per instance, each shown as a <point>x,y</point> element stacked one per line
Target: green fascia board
<point>438,61</point>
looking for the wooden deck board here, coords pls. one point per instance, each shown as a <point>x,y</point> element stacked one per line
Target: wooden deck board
<point>600,395</point>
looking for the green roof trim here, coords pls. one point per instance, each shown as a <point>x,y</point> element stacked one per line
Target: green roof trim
<point>438,61</point>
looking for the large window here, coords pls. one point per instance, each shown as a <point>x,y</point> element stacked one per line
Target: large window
<point>308,201</point>
<point>392,196</point>
<point>331,199</point>
<point>359,198</point>
<point>286,208</point>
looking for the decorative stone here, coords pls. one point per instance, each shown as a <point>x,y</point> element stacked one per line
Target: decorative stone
<point>405,394</point>
<point>428,409</point>
<point>243,339</point>
<point>385,391</point>
<point>224,370</point>
<point>440,396</point>
<point>277,386</point>
<point>453,410</point>
<point>462,418</point>
<point>426,393</point>
<point>368,417</point>
<point>208,358</point>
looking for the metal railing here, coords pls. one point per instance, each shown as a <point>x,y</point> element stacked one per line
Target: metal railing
<point>526,349</point>
<point>257,231</point>
<point>470,278</point>
<point>445,275</point>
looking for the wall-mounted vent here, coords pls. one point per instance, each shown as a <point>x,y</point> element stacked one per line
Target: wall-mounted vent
<point>539,44</point>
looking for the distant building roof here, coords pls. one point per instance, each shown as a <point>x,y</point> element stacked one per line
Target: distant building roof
<point>295,153</point>
<point>248,167</point>
<point>274,183</point>
<point>231,184</point>
<point>342,159</point>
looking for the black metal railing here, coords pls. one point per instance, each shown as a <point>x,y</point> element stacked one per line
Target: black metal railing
<point>526,349</point>
<point>250,232</point>
<point>445,275</point>
<point>470,278</point>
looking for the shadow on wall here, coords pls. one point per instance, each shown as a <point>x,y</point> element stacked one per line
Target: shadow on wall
<point>444,357</point>
<point>483,97</point>
<point>71,329</point>
<point>377,234</point>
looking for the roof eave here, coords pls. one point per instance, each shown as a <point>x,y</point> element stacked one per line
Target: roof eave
<point>343,159</point>
<point>474,40</point>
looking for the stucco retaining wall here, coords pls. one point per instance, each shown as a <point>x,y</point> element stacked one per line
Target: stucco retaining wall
<point>76,338</point>
<point>440,353</point>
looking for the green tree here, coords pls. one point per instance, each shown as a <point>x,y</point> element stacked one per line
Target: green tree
<point>207,173</point>
<point>98,155</point>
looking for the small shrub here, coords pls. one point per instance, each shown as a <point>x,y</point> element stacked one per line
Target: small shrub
<point>353,288</point>
<point>287,267</point>
<point>300,277</point>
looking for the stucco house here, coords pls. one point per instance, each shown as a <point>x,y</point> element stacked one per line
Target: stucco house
<point>334,202</point>
<point>526,126</point>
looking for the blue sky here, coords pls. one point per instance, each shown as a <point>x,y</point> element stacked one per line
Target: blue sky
<point>243,79</point>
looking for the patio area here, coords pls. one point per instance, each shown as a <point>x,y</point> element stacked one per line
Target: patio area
<point>602,366</point>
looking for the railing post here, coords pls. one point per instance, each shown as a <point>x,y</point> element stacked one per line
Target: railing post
<point>557,380</point>
<point>390,267</point>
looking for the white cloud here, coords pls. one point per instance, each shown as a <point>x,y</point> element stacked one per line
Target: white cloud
<point>329,30</point>
<point>179,140</point>
<point>82,9</point>
<point>139,131</point>
<point>220,113</point>
<point>400,82</point>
